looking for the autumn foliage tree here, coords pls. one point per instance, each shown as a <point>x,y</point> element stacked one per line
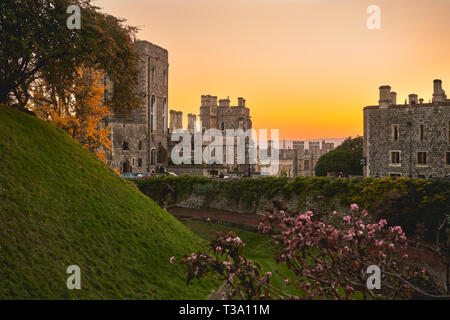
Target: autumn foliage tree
<point>79,110</point>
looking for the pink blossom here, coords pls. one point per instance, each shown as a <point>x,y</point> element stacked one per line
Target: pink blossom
<point>172,260</point>
<point>347,219</point>
<point>354,207</point>
<point>269,274</point>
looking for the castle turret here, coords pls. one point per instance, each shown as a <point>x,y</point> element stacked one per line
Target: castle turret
<point>241,102</point>
<point>385,96</point>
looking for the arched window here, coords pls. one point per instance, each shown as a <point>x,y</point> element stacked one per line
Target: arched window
<point>125,146</point>
<point>153,114</point>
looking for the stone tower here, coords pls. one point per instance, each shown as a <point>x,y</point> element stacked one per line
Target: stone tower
<point>139,141</point>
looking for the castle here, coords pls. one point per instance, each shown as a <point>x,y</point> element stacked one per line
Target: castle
<point>408,140</point>
<point>139,141</point>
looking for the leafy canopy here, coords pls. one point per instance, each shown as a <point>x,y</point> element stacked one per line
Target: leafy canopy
<point>36,45</point>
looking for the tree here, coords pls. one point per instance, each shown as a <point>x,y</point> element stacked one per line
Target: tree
<point>345,158</point>
<point>353,145</point>
<point>35,44</point>
<point>79,111</point>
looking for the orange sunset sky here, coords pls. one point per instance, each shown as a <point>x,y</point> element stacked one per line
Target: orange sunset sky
<point>306,67</point>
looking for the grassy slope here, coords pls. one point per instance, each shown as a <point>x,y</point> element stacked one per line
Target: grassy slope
<point>60,206</point>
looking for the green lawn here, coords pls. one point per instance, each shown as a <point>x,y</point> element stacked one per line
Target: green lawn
<point>60,206</point>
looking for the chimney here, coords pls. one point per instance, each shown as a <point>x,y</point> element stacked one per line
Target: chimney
<point>394,98</point>
<point>179,120</point>
<point>191,122</point>
<point>385,96</point>
<point>172,123</point>
<point>438,92</point>
<point>413,98</point>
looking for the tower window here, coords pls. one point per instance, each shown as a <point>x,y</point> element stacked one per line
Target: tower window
<point>140,163</point>
<point>395,132</point>
<point>140,145</point>
<point>422,158</point>
<point>395,157</point>
<point>421,132</point>
<point>125,146</point>
<point>447,159</point>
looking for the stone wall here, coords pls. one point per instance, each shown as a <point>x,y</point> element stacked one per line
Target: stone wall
<point>295,205</point>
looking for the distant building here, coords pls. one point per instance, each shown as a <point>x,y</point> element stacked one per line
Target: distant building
<point>298,161</point>
<point>139,141</point>
<point>408,140</point>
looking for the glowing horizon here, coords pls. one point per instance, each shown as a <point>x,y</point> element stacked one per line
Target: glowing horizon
<point>306,67</point>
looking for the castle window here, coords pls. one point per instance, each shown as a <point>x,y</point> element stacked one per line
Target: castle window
<point>140,145</point>
<point>164,114</point>
<point>448,132</point>
<point>222,126</point>
<point>152,114</point>
<point>395,132</point>
<point>421,132</point>
<point>133,161</point>
<point>447,159</point>
<point>422,158</point>
<point>125,146</point>
<point>395,157</point>
<point>395,175</point>
<point>153,157</point>
<point>153,73</point>
<point>140,163</point>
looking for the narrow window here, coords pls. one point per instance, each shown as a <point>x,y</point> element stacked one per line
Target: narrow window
<point>395,132</point>
<point>222,126</point>
<point>125,145</point>
<point>153,114</point>
<point>153,74</point>
<point>421,132</point>
<point>395,157</point>
<point>140,145</point>
<point>422,158</point>
<point>140,163</point>
<point>447,158</point>
<point>448,132</point>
